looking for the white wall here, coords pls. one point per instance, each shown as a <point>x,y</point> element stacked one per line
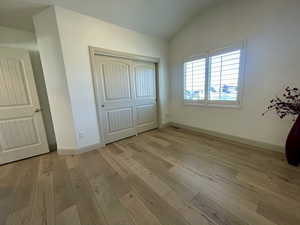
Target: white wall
<point>76,33</point>
<point>23,39</point>
<point>272,31</point>
<point>56,83</point>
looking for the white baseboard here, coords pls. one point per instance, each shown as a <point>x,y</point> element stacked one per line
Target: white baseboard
<point>164,125</point>
<point>80,150</point>
<point>249,142</point>
<point>239,140</point>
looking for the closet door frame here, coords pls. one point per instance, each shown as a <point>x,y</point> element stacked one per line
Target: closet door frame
<point>95,51</point>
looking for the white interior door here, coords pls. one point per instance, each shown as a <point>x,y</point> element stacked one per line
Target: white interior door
<point>145,98</point>
<point>115,97</point>
<point>126,97</point>
<point>22,132</point>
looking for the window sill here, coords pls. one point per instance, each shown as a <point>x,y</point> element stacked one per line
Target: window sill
<point>214,105</point>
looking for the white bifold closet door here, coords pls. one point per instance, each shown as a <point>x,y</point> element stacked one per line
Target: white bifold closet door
<point>22,132</point>
<point>126,97</point>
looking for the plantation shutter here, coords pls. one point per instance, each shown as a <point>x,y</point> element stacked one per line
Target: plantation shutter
<point>194,80</point>
<point>224,76</point>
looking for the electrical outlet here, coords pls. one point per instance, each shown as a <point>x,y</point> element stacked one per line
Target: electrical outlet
<point>81,134</point>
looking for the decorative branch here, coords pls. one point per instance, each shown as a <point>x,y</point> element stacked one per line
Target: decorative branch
<point>289,104</point>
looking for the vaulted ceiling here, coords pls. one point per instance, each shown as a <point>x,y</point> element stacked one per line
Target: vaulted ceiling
<point>161,18</point>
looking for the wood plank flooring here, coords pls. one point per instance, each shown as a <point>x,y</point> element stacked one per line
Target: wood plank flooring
<point>162,177</point>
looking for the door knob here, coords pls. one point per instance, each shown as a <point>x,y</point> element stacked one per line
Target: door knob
<point>37,110</point>
<point>102,106</point>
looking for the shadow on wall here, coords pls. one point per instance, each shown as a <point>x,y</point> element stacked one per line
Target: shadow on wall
<point>43,97</point>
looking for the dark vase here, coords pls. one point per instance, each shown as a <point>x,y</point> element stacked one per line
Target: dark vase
<point>292,147</point>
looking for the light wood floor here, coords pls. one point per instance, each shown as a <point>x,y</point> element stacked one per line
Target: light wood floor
<point>166,177</point>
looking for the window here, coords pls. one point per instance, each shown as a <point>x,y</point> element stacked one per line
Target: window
<point>194,80</point>
<point>224,76</point>
<point>214,79</point>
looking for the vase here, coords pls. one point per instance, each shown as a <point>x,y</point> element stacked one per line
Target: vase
<point>292,148</point>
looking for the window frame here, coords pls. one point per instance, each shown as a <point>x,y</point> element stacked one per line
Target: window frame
<point>208,55</point>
